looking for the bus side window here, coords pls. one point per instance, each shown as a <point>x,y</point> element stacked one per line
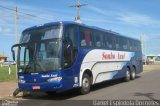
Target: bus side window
<point>106,41</point>
<point>131,46</point>
<point>98,43</point>
<point>97,39</point>
<point>85,35</point>
<point>88,38</point>
<point>123,44</point>
<point>114,42</point>
<point>137,46</point>
<point>128,45</point>
<point>70,45</point>
<point>117,43</point>
<point>100,39</point>
<point>109,42</point>
<point>83,41</point>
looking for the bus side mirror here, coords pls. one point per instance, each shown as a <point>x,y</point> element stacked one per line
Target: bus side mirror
<point>13,55</point>
<point>13,52</point>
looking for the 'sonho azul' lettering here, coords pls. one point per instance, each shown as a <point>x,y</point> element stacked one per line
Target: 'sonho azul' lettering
<point>47,76</point>
<point>121,56</point>
<point>108,56</point>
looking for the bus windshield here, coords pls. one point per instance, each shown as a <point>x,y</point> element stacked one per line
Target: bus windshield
<point>42,33</point>
<point>40,50</point>
<point>40,57</point>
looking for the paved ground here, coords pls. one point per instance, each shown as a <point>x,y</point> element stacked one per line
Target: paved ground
<point>145,87</point>
<point>7,88</point>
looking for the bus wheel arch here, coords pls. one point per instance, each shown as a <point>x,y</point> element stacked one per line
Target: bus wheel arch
<point>86,82</point>
<point>89,73</point>
<point>134,68</point>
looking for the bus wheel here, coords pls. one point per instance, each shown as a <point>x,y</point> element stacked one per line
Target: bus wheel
<point>133,74</point>
<point>86,84</point>
<point>128,76</point>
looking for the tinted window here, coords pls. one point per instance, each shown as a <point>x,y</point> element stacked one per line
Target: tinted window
<point>131,45</point>
<point>108,41</point>
<point>128,45</point>
<point>42,33</point>
<point>117,45</point>
<point>98,39</point>
<point>70,45</point>
<point>123,44</point>
<point>86,37</point>
<point>137,46</point>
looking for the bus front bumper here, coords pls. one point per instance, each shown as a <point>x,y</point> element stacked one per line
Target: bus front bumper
<point>45,86</point>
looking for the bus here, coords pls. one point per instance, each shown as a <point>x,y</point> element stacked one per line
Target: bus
<point>59,56</point>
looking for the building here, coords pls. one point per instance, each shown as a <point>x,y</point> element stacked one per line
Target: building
<point>151,59</point>
<point>158,57</point>
<point>3,58</point>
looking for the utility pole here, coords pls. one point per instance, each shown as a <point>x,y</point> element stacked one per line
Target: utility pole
<point>78,6</point>
<point>16,33</point>
<point>16,25</point>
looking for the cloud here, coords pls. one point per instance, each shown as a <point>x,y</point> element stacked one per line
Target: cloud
<point>93,20</point>
<point>137,19</point>
<point>31,13</point>
<point>6,30</point>
<point>6,17</point>
<point>7,20</point>
<point>145,37</point>
<point>103,11</point>
<point>98,10</point>
<point>123,16</point>
<point>97,20</point>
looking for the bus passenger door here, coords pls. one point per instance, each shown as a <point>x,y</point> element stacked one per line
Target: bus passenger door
<point>70,52</point>
<point>67,63</point>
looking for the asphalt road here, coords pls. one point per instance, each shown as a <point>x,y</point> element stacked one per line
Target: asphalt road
<point>144,87</point>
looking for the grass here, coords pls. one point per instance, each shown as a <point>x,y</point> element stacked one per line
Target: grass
<point>4,74</point>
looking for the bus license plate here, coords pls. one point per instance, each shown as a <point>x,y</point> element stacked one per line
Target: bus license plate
<point>35,87</point>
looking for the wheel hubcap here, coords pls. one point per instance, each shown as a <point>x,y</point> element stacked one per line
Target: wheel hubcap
<point>127,74</point>
<point>133,74</point>
<point>85,83</point>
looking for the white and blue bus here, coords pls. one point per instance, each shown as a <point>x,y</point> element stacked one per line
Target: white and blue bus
<point>60,56</point>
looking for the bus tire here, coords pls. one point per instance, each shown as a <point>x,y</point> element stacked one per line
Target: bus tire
<point>128,75</point>
<point>86,84</point>
<point>133,74</point>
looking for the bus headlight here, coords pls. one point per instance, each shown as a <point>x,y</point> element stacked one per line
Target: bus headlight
<point>21,81</point>
<point>54,79</point>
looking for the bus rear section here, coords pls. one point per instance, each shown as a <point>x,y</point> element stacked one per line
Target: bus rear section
<point>107,56</point>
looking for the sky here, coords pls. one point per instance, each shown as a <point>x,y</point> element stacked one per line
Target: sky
<point>133,18</point>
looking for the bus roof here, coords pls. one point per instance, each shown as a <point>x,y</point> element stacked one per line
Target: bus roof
<point>80,24</point>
